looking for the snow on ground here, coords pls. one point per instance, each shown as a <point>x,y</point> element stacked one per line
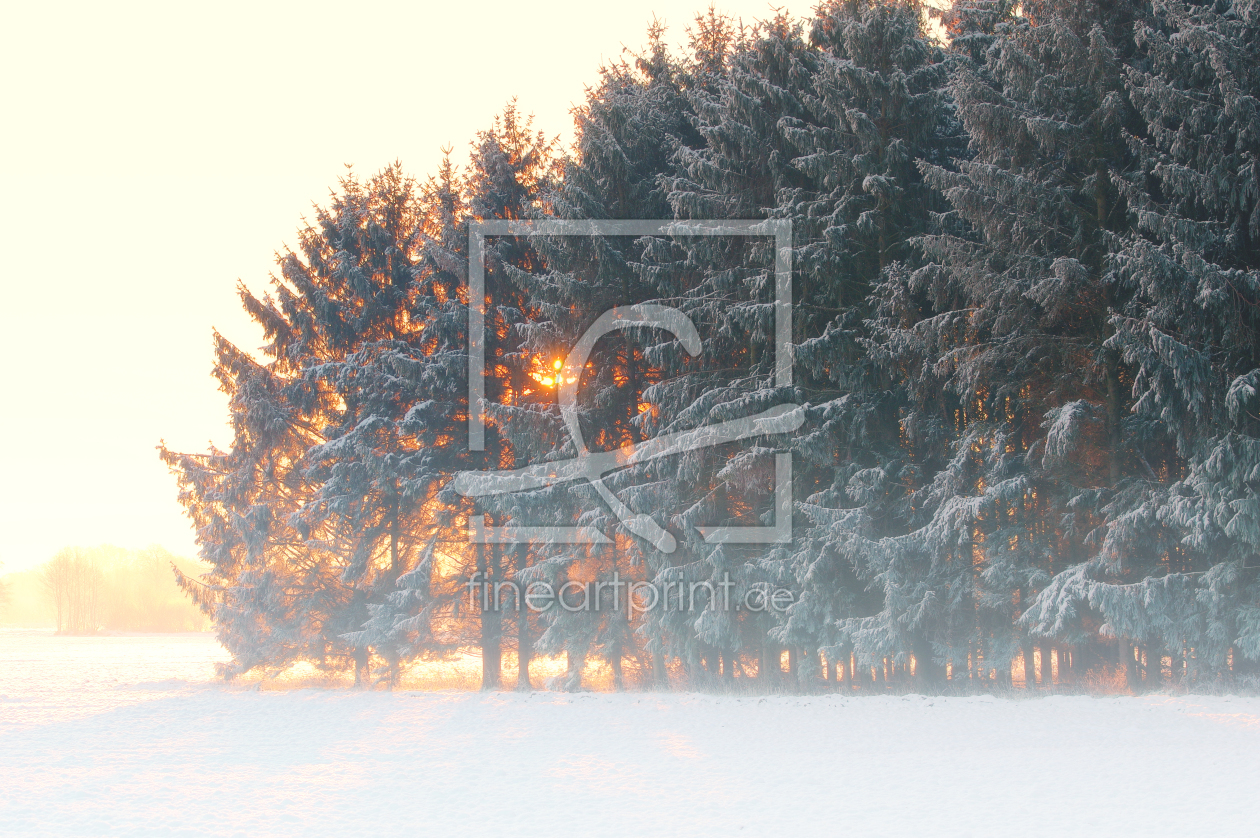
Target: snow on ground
<point>131,736</point>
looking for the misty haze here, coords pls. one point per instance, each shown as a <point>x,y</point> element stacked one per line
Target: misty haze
<point>631,419</point>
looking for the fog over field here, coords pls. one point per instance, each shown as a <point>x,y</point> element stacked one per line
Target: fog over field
<point>135,736</point>
<point>102,589</point>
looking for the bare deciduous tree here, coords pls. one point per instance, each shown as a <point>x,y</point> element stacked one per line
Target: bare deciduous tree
<point>73,581</point>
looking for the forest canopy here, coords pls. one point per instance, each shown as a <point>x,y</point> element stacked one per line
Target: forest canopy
<point>1025,299</point>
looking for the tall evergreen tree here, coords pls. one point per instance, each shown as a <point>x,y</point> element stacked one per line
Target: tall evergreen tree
<point>1024,337</point>
<point>291,570</point>
<point>432,608</point>
<point>627,132</point>
<point>1175,569</point>
<point>400,440</point>
<point>1017,405</point>
<point>726,285</point>
<point>877,108</point>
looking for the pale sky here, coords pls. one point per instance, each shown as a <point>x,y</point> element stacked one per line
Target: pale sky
<point>157,152</point>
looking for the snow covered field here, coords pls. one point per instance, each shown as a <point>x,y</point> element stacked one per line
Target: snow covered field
<point>131,736</point>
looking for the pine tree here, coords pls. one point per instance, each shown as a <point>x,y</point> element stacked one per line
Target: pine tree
<point>433,610</point>
<point>628,130</point>
<point>1024,338</point>
<point>289,566</point>
<point>1185,542</point>
<point>1016,405</point>
<point>425,614</point>
<point>877,106</point>
<point>726,285</point>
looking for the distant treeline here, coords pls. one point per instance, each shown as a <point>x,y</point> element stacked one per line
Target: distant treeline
<point>106,588</point>
<point>1025,343</point>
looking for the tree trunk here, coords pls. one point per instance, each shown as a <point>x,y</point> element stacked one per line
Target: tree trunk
<point>614,660</point>
<point>1130,665</point>
<point>1030,671</point>
<point>524,642</point>
<point>1003,675</point>
<point>807,670</point>
<point>395,565</point>
<point>660,675</point>
<point>1154,666</point>
<point>927,673</point>
<point>572,671</point>
<point>1238,667</point>
<point>1114,417</point>
<point>491,618</point>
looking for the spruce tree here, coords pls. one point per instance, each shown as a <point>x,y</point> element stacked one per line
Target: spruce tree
<point>1017,405</point>
<point>401,439</point>
<point>627,132</point>
<point>877,107</point>
<point>1174,571</point>
<point>726,285</point>
<point>290,566</point>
